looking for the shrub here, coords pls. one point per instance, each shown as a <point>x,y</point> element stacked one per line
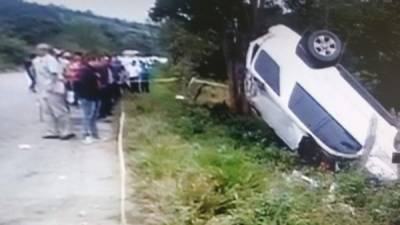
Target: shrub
<point>12,50</point>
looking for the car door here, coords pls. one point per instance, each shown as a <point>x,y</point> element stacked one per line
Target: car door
<point>267,99</point>
<point>321,124</point>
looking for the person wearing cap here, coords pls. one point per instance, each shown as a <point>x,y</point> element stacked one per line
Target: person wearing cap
<point>51,91</point>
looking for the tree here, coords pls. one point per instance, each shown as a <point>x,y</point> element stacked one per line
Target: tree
<point>370,30</point>
<point>12,51</point>
<point>227,24</point>
<point>224,23</point>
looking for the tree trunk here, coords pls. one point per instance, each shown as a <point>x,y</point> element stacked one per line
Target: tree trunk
<point>235,44</point>
<point>230,73</point>
<point>236,74</point>
<point>257,7</point>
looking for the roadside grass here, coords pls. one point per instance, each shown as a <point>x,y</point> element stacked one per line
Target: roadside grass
<point>196,166</point>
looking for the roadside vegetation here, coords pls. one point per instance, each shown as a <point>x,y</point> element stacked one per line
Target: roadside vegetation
<point>196,166</point>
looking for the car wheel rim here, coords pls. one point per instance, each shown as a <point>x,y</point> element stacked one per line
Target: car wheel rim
<point>325,45</point>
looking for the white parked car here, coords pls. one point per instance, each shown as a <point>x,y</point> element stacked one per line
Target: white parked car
<point>295,84</point>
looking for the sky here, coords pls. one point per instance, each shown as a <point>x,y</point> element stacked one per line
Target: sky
<point>131,10</point>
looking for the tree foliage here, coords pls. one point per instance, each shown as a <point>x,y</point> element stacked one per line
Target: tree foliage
<point>226,25</point>
<point>12,50</point>
<point>190,51</point>
<point>370,30</point>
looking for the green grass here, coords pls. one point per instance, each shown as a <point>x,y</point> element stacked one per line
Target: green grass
<point>197,166</point>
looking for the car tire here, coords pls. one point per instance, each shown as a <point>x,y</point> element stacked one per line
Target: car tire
<point>309,151</point>
<point>324,47</point>
<point>312,154</point>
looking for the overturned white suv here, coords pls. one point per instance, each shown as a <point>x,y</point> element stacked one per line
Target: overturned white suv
<point>314,105</point>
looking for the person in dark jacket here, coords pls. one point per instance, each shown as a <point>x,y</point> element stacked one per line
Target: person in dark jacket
<point>88,91</point>
<point>28,65</point>
<point>106,80</point>
<point>118,71</point>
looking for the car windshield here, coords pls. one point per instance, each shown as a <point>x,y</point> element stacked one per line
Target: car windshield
<point>321,123</point>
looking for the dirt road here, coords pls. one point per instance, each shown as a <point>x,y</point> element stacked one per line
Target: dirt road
<point>52,182</point>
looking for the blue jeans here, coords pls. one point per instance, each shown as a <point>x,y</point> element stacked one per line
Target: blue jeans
<point>90,114</point>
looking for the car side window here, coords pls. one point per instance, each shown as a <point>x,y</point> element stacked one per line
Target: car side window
<point>269,70</point>
<point>321,123</point>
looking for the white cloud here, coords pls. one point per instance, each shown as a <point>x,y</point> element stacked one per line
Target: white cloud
<point>132,10</point>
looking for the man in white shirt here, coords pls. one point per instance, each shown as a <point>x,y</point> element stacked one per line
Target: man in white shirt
<point>131,64</point>
<point>51,90</point>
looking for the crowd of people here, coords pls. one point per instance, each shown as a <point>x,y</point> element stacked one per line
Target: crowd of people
<point>90,82</point>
